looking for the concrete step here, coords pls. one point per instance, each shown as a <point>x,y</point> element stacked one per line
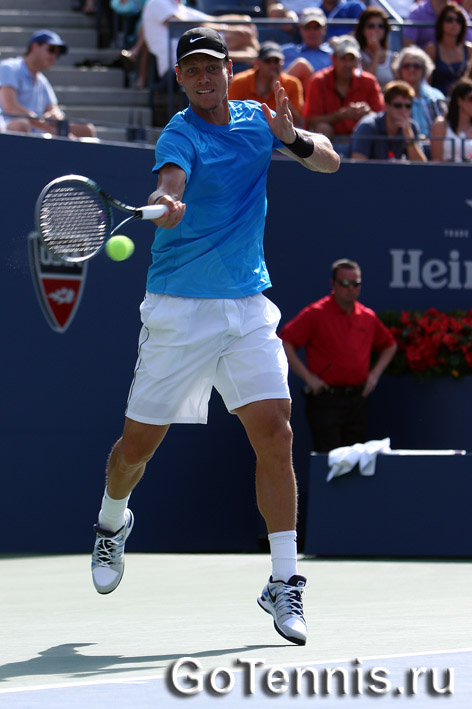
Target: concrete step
<point>77,37</point>
<point>73,56</point>
<point>39,5</point>
<point>54,19</point>
<point>109,115</point>
<point>103,95</point>
<point>82,77</point>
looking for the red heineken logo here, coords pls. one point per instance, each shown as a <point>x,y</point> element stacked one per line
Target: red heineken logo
<point>59,285</point>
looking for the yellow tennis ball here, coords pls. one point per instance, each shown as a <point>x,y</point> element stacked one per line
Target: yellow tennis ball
<point>119,248</point>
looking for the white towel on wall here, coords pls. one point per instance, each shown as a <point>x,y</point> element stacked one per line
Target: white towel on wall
<point>343,460</point>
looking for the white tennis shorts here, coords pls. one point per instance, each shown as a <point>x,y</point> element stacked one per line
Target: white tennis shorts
<point>187,346</point>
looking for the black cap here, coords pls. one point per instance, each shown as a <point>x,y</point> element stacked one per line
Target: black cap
<point>202,40</point>
<point>270,49</point>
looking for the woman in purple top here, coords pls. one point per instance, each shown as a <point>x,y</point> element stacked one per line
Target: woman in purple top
<point>451,54</point>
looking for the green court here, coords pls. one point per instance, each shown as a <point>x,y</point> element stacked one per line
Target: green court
<point>65,645</point>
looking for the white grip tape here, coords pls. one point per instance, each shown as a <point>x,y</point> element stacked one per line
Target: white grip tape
<point>153,211</point>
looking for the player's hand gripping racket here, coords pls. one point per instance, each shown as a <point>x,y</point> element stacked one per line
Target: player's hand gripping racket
<point>74,217</point>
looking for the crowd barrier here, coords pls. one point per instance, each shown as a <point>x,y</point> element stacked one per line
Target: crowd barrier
<point>66,370</point>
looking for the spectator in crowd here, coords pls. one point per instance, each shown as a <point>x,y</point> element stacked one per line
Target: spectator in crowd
<point>426,11</point>
<point>451,135</point>
<point>450,52</point>
<point>134,57</point>
<point>341,10</point>
<point>415,67</point>
<point>338,335</point>
<point>313,54</point>
<point>27,100</point>
<point>339,96</point>
<point>241,39</point>
<point>372,34</point>
<point>258,83</point>
<point>391,134</point>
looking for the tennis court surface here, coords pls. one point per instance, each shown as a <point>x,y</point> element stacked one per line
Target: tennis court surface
<point>386,633</point>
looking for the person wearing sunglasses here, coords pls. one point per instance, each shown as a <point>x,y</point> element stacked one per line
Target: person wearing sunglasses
<point>415,67</point>
<point>313,53</point>
<point>391,134</point>
<point>372,32</point>
<point>339,335</point>
<point>450,51</point>
<point>423,17</point>
<point>27,100</point>
<point>451,135</point>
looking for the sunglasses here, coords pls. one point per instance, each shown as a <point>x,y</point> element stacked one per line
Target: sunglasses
<point>452,18</point>
<point>375,26</point>
<point>398,104</point>
<point>345,284</point>
<point>410,65</point>
<point>272,60</point>
<point>54,50</point>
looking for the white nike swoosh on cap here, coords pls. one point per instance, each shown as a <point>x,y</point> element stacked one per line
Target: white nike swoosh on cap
<point>195,39</point>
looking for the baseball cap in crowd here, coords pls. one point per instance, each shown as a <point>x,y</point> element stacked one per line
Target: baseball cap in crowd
<point>202,40</point>
<point>50,37</point>
<point>270,49</point>
<point>312,14</point>
<point>346,44</point>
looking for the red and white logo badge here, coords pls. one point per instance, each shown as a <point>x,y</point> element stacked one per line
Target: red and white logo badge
<point>59,285</point>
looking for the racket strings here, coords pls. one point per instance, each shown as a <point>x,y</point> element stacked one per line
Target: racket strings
<point>74,221</point>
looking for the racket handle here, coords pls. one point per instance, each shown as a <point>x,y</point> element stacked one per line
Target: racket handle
<point>153,211</point>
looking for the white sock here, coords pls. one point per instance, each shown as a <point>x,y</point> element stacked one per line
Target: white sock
<point>283,553</point>
<point>112,514</point>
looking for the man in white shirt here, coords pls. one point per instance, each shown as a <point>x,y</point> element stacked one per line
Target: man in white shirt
<point>241,39</point>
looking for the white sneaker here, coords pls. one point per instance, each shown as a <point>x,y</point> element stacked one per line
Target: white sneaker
<point>108,557</point>
<point>284,601</point>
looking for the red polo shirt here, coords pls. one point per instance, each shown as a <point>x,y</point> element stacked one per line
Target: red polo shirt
<point>322,97</point>
<point>338,345</point>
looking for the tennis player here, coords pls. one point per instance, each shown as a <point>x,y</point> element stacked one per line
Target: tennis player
<point>206,322</point>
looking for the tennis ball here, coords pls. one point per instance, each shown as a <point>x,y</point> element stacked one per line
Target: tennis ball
<point>119,248</point>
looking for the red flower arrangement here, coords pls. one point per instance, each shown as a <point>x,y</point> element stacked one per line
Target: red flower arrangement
<point>431,343</point>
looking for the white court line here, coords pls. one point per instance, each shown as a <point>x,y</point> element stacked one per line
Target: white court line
<point>150,678</point>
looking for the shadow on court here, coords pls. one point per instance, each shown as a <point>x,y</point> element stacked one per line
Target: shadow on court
<point>67,660</point>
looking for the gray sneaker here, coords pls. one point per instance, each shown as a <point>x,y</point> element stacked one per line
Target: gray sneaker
<point>108,562</point>
<point>284,601</point>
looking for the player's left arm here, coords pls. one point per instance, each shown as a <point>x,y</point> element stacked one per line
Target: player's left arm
<point>312,150</point>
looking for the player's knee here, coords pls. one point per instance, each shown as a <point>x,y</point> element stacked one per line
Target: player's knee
<point>278,439</point>
<point>135,452</point>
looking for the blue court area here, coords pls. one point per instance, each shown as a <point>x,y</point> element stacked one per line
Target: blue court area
<point>186,629</point>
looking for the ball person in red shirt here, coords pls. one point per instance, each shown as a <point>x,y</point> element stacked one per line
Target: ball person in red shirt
<point>339,335</point>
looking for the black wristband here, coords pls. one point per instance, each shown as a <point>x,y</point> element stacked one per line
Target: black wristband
<point>302,147</point>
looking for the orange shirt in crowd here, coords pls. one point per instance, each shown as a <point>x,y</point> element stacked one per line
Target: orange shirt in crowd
<point>243,87</point>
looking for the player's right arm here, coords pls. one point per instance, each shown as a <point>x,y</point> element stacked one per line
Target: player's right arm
<point>169,191</point>
<point>321,158</point>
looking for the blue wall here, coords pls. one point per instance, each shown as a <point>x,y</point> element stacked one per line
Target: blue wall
<point>64,394</point>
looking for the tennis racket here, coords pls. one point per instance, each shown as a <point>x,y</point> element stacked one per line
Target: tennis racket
<point>74,217</point>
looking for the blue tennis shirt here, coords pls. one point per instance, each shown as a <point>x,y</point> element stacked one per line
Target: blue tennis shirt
<point>216,251</point>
